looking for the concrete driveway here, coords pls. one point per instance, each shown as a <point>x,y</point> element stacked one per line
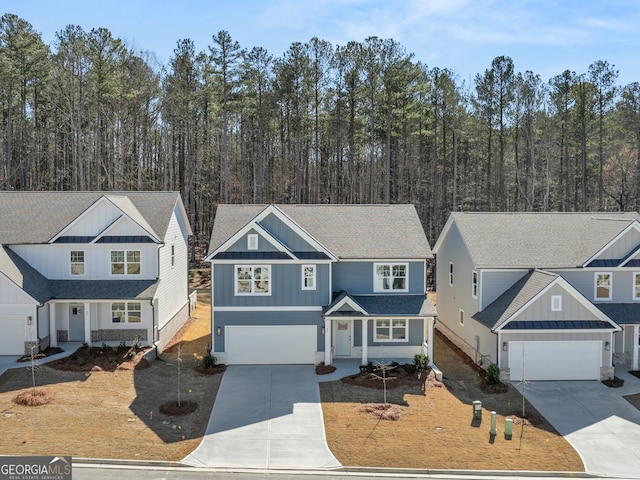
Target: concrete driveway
<point>601,425</point>
<point>266,417</point>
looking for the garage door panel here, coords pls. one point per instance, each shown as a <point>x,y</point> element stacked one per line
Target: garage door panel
<point>578,360</point>
<point>13,334</point>
<point>274,344</point>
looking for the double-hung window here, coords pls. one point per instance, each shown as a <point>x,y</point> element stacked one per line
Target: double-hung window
<point>603,286</point>
<point>77,262</point>
<point>125,262</point>
<point>308,277</point>
<point>390,277</point>
<point>253,280</point>
<point>126,312</point>
<point>474,284</point>
<point>392,330</point>
<point>636,286</point>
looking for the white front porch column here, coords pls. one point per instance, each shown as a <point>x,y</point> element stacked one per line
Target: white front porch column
<point>327,342</point>
<point>636,346</point>
<point>87,323</point>
<point>430,339</point>
<point>53,331</point>
<point>365,326</point>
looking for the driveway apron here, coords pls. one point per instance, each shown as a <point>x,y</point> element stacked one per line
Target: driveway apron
<point>266,417</point>
<point>601,425</point>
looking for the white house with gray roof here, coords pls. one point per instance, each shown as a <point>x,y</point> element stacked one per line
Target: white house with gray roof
<point>91,267</point>
<point>303,284</point>
<point>545,296</point>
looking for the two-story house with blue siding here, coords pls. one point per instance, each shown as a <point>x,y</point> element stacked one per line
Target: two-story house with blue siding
<point>304,284</point>
<point>545,296</point>
<point>91,267</point>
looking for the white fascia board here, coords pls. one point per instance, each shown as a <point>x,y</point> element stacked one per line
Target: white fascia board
<point>273,209</point>
<point>633,224</point>
<point>77,219</point>
<point>443,234</point>
<point>252,225</point>
<point>122,218</point>
<point>349,302</point>
<point>631,257</point>
<point>35,302</point>
<point>571,291</point>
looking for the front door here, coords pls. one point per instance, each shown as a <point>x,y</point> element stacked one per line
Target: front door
<point>342,338</point>
<point>76,323</point>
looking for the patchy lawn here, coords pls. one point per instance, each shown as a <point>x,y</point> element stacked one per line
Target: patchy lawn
<point>111,407</point>
<point>436,430</point>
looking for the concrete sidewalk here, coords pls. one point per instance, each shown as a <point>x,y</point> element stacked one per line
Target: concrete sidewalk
<point>266,417</point>
<point>601,425</point>
<point>11,361</point>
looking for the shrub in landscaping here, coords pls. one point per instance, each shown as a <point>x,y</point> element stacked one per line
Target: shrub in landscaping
<point>492,376</point>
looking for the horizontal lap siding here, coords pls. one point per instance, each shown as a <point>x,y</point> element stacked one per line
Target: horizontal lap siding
<point>223,319</point>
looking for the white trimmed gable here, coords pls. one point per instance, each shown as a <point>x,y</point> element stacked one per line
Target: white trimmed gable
<point>624,245</point>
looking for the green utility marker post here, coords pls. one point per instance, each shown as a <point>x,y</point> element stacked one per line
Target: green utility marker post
<point>477,410</point>
<point>492,430</point>
<point>508,428</point>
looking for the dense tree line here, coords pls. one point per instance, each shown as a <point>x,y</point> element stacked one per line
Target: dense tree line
<point>358,123</point>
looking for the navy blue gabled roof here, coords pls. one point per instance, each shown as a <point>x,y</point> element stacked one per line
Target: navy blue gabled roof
<point>558,325</point>
<point>311,255</point>
<point>252,256</point>
<point>607,262</point>
<point>125,239</point>
<point>74,239</point>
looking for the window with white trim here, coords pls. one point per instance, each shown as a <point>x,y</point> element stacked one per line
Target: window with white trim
<point>125,262</point>
<point>390,276</point>
<point>461,317</point>
<point>392,330</point>
<point>126,312</point>
<point>451,274</point>
<point>474,284</point>
<point>308,277</point>
<point>173,256</point>
<point>636,286</point>
<point>252,279</point>
<point>602,286</point>
<point>77,262</point>
<point>252,241</point>
<point>556,303</point>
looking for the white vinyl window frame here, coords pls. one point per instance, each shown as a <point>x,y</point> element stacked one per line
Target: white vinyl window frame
<point>252,241</point>
<point>250,280</point>
<point>602,283</point>
<point>126,312</point>
<point>125,262</point>
<point>76,263</point>
<point>394,330</point>
<point>474,284</point>
<point>390,277</point>
<point>556,303</point>
<point>451,274</point>
<point>635,293</point>
<point>308,277</point>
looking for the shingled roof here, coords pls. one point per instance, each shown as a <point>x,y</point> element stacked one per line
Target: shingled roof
<point>537,240</point>
<point>346,231</point>
<point>36,217</point>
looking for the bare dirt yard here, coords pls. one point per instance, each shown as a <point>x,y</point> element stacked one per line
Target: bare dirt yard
<point>111,408</point>
<point>437,430</point>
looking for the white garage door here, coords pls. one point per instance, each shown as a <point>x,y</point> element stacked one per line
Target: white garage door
<point>12,336</point>
<point>579,360</point>
<point>286,344</point>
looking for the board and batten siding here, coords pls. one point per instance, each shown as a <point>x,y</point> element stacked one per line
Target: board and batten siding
<point>572,309</point>
<point>357,277</point>
<point>173,288</point>
<point>53,261</point>
<point>285,285</point>
<point>621,247</point>
<point>285,234</point>
<point>241,244</point>
<point>253,317</point>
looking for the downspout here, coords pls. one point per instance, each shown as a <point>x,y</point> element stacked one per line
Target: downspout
<point>153,327</point>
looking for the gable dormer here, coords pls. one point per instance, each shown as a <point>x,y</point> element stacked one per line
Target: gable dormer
<point>110,219</point>
<point>621,251</point>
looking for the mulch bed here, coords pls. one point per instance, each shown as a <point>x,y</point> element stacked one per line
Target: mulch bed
<point>615,382</point>
<point>185,407</point>
<point>108,359</point>
<point>34,397</point>
<point>323,369</point>
<point>396,376</point>
<point>47,352</point>
<point>384,411</point>
<point>219,368</point>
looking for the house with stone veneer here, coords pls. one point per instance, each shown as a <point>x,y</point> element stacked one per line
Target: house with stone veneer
<point>92,267</point>
<point>545,296</point>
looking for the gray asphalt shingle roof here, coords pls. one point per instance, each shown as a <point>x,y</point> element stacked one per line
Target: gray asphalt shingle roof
<point>24,275</point>
<point>517,296</point>
<point>538,240</point>
<point>347,231</point>
<point>103,289</point>
<point>36,217</point>
<point>392,305</point>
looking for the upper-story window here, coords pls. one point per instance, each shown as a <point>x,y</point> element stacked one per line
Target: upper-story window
<point>451,274</point>
<point>173,256</point>
<point>636,286</point>
<point>474,284</point>
<point>308,277</point>
<point>125,262</point>
<point>390,276</point>
<point>253,280</point>
<point>556,303</point>
<point>77,262</point>
<point>603,281</point>
<point>252,241</point>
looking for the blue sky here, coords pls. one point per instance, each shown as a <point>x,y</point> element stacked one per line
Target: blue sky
<point>543,36</point>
